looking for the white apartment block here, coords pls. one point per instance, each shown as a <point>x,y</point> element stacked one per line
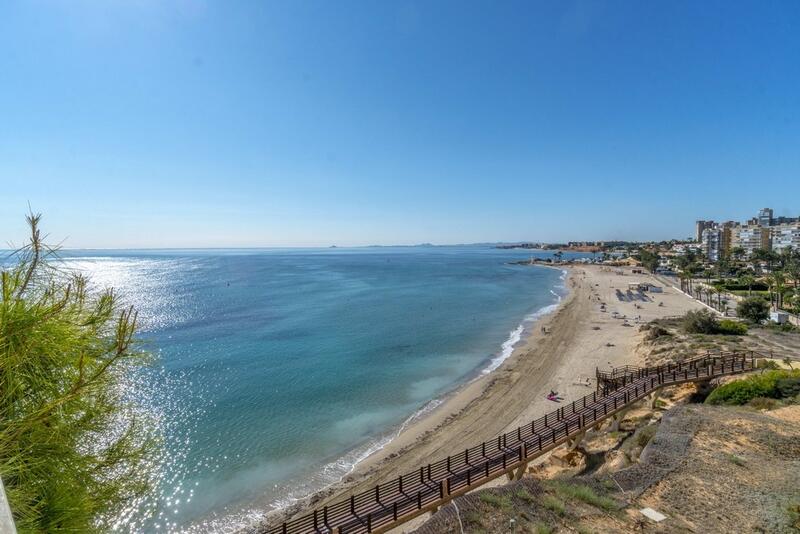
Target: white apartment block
<point>711,240</point>
<point>750,238</point>
<point>785,236</point>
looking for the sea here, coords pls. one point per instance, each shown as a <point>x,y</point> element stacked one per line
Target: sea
<point>276,371</point>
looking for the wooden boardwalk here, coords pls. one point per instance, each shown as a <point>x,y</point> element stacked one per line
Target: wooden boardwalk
<point>392,503</point>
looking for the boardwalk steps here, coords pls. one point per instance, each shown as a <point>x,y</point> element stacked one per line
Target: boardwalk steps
<point>392,503</point>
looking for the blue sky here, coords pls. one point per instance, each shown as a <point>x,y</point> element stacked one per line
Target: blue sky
<point>195,123</point>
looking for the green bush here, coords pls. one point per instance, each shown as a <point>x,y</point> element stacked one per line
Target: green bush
<point>788,387</point>
<point>700,322</point>
<point>554,504</point>
<point>760,385</point>
<point>753,309</point>
<point>731,328</point>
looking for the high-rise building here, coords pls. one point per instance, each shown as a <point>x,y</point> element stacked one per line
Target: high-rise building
<point>711,241</point>
<point>700,226</point>
<point>765,217</point>
<point>726,238</point>
<point>750,238</point>
<point>784,220</point>
<point>786,236</point>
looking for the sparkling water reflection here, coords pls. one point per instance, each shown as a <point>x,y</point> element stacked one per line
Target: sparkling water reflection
<point>276,371</point>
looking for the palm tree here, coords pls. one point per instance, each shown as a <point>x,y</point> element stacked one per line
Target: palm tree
<point>793,270</point>
<point>788,361</point>
<point>737,253</point>
<point>747,280</point>
<point>777,283</point>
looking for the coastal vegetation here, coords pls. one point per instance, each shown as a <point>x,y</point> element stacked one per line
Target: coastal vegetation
<point>753,309</point>
<point>774,384</point>
<point>705,322</point>
<point>72,453</point>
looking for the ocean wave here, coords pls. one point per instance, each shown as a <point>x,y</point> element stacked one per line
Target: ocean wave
<point>515,336</point>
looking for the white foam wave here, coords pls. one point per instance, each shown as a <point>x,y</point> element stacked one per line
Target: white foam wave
<point>515,336</point>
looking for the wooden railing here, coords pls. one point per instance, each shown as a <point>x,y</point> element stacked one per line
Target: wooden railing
<point>389,504</point>
<point>620,376</point>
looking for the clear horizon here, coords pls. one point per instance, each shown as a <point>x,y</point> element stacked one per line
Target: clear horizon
<point>202,124</point>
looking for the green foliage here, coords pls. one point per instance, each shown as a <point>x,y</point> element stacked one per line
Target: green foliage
<point>473,518</point>
<point>753,309</point>
<point>736,460</point>
<point>788,387</point>
<point>767,364</point>
<point>581,492</point>
<point>700,322</point>
<point>498,501</point>
<point>554,504</point>
<point>542,528</point>
<point>731,328</point>
<point>793,511</point>
<point>523,495</point>
<point>645,434</point>
<point>649,260</point>
<point>71,452</point>
<point>761,385</point>
<point>655,332</point>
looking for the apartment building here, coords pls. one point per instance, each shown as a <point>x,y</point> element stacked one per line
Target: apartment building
<point>785,236</point>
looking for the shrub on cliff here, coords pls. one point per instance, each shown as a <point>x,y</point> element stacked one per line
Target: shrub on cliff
<point>71,453</point>
<point>731,328</point>
<point>705,322</point>
<point>774,384</point>
<point>700,322</point>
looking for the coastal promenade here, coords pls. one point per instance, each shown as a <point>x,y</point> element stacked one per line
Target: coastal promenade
<point>392,503</point>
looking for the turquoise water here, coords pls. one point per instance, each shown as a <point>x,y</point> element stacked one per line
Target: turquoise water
<point>278,370</point>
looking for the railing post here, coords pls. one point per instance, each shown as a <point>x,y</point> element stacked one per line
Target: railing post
<point>394,511</point>
<point>353,504</point>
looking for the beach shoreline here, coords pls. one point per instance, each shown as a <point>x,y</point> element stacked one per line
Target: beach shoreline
<point>580,337</point>
<point>426,420</point>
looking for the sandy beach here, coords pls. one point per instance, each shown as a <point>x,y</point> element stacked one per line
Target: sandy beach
<point>579,337</point>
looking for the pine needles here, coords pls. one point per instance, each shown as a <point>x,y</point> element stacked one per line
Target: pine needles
<point>71,451</point>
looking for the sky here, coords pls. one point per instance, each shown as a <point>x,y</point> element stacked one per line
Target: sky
<point>194,123</point>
